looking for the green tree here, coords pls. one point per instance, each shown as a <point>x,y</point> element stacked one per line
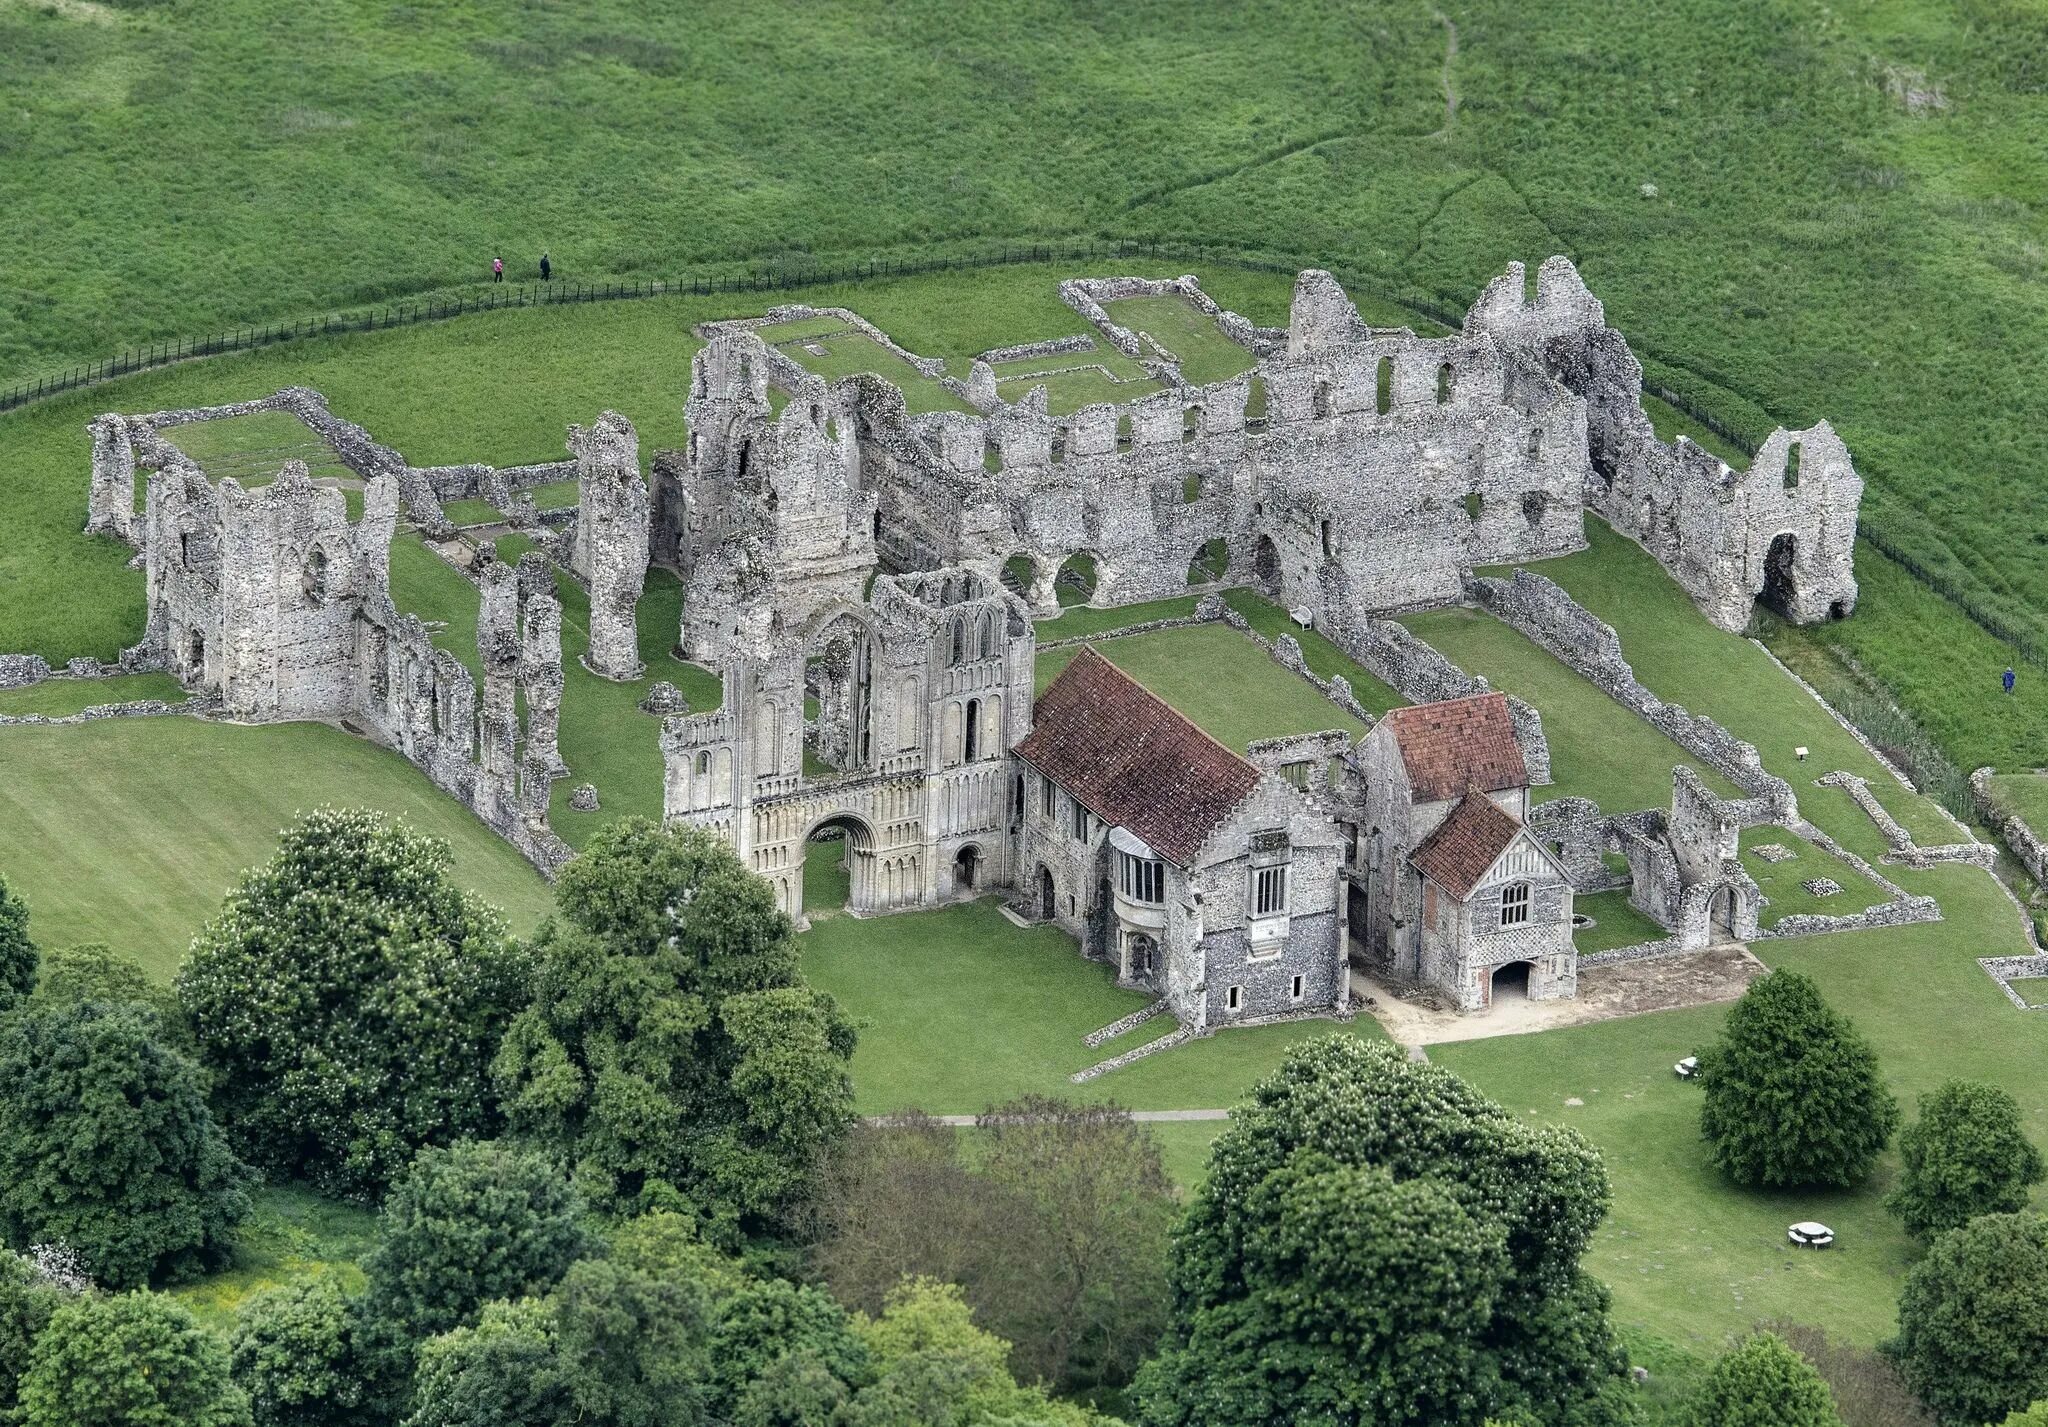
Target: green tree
<point>1966,1155</point>
<point>26,1303</point>
<point>1973,1320</point>
<point>609,1347</point>
<point>106,1144</point>
<point>94,971</point>
<point>1792,1093</point>
<point>477,1221</point>
<point>1389,1207</point>
<point>672,1052</point>
<point>306,1356</point>
<point>133,1360</point>
<point>758,1325</point>
<point>1761,1382</point>
<point>2034,1415</point>
<point>349,997</point>
<point>17,953</point>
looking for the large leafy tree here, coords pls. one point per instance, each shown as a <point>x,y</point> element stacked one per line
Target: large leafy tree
<point>17,952</point>
<point>1973,1320</point>
<point>133,1360</point>
<point>608,1347</point>
<point>306,1356</point>
<point>106,1144</point>
<point>1761,1382</point>
<point>1966,1155</point>
<point>471,1223</point>
<point>1792,1091</point>
<point>672,1053</point>
<point>350,997</point>
<point>1389,1208</point>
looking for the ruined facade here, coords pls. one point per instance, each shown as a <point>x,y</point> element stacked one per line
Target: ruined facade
<point>1783,531</point>
<point>1685,872</point>
<point>609,551</point>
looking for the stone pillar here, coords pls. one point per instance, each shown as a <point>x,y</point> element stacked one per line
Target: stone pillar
<point>110,507</point>
<point>611,540</point>
<point>497,642</point>
<point>540,675</point>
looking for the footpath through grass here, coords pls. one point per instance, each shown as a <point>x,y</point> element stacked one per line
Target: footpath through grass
<point>130,831</point>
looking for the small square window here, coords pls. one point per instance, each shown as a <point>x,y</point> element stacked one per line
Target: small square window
<point>1234,997</point>
<point>1295,992</point>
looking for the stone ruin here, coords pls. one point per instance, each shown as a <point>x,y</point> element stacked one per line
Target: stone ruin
<point>609,551</point>
<point>1783,531</point>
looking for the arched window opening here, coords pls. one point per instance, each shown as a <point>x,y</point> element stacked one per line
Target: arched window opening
<point>878,522</point>
<point>704,763</point>
<point>1514,904</point>
<point>1325,407</point>
<point>1792,467</point>
<point>988,635</point>
<point>970,734</point>
<point>316,575</point>
<point>1329,543</point>
<point>1383,387</point>
<point>1445,380</point>
<point>959,650</point>
<point>1535,447</point>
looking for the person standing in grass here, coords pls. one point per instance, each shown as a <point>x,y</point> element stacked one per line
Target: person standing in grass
<point>2010,678</point>
<point>547,269</point>
<point>497,269</point>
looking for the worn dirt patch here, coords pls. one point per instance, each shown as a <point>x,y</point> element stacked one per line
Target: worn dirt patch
<point>1628,988</point>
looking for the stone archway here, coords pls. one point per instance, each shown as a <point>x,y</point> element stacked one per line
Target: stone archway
<point>1721,914</point>
<point>837,867</point>
<point>1266,566</point>
<point>1781,575</point>
<point>1510,982</point>
<point>1048,895</point>
<point>966,869</point>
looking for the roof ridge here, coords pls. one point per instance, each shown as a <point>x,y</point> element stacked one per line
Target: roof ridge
<point>1144,689</point>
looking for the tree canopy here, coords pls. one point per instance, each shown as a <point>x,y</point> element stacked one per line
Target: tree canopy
<point>1761,1382</point>
<point>350,998</point>
<point>672,1053</point>
<point>1973,1320</point>
<point>306,1356</point>
<point>1966,1155</point>
<point>132,1360</point>
<point>26,1303</point>
<point>107,1144</point>
<point>1362,1200</point>
<point>17,953</point>
<point>1792,1091</point>
<point>470,1223</point>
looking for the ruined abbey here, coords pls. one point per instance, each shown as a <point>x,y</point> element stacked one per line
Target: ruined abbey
<point>865,582</point>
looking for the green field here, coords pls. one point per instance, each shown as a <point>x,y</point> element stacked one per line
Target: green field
<point>56,698</point>
<point>1615,923</point>
<point>1781,882</point>
<point>1205,354</point>
<point>2027,795</point>
<point>130,831</point>
<point>1219,679</point>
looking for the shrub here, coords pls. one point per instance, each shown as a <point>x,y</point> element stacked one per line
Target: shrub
<point>1867,1388</point>
<point>106,1144</point>
<point>472,1223</point>
<point>1761,1383</point>
<point>1973,1320</point>
<point>133,1360</point>
<point>1966,1155</point>
<point>1792,1094</point>
<point>306,1357</point>
<point>350,997</point>
<point>17,952</point>
<point>27,1301</point>
<point>1390,1208</point>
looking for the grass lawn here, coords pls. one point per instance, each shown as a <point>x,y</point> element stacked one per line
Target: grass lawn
<point>1781,881</point>
<point>1679,656</point>
<point>961,1009</point>
<point>130,831</point>
<point>293,1235</point>
<point>1205,354</point>
<point>1615,923</point>
<point>472,511</point>
<point>848,351</point>
<point>2027,795</point>
<point>254,448</point>
<point>56,698</point>
<point>1069,389</point>
<point>556,495</point>
<point>1598,748</point>
<point>1219,679</point>
<point>1325,659</point>
<point>1693,1258</point>
<point>1076,620</point>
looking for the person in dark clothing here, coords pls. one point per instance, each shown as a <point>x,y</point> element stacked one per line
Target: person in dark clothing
<point>547,269</point>
<point>2010,678</point>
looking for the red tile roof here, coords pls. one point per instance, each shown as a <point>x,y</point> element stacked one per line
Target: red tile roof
<point>1457,744</point>
<point>1132,760</point>
<point>1465,844</point>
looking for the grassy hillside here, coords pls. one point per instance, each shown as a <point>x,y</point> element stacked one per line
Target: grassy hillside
<point>1799,209</point>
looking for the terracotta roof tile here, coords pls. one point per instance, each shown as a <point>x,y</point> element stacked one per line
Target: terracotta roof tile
<point>1457,744</point>
<point>1465,844</point>
<point>1132,760</point>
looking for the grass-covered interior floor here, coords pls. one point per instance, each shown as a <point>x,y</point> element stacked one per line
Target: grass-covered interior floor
<point>130,831</point>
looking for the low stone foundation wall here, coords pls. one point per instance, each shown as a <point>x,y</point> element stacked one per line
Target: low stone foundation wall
<point>2026,844</point>
<point>1540,609</point>
<point>1026,351</point>
<point>134,708</point>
